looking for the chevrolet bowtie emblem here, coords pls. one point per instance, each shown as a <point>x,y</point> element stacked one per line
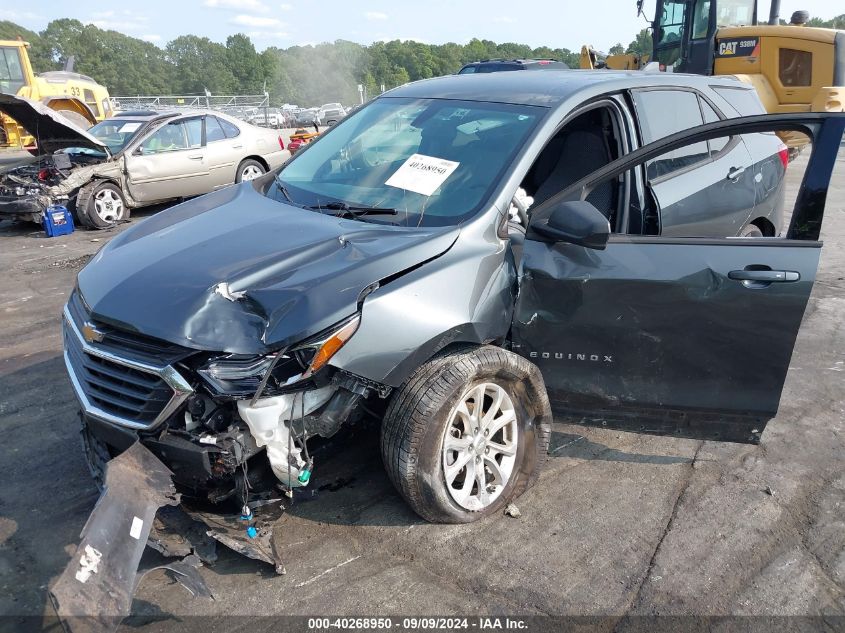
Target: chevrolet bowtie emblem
<point>92,334</point>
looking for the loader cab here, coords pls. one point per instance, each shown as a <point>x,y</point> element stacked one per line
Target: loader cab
<point>684,31</point>
<point>12,72</point>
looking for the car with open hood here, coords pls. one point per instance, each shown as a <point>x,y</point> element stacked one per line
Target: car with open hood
<point>134,159</point>
<point>460,259</point>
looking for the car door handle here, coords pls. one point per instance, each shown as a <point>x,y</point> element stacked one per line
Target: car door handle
<point>237,146</point>
<point>196,157</point>
<point>735,172</point>
<point>767,276</point>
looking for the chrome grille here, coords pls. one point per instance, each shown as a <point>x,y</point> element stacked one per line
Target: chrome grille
<point>117,389</point>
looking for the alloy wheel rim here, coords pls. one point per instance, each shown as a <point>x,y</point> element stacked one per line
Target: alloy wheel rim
<point>479,446</point>
<point>108,206</point>
<point>251,172</point>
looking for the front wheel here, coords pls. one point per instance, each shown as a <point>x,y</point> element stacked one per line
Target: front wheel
<point>467,433</point>
<point>103,206</point>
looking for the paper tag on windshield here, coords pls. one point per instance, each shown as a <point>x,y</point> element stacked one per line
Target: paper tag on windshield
<point>422,174</point>
<point>128,127</point>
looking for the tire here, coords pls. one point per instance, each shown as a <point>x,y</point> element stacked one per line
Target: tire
<point>751,230</point>
<point>425,412</point>
<point>101,206</point>
<point>249,170</point>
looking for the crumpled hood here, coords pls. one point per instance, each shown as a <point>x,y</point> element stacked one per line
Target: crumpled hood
<point>237,272</point>
<point>51,130</point>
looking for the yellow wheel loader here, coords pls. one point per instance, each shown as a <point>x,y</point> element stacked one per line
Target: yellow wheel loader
<point>78,98</point>
<point>591,59</point>
<point>793,68</point>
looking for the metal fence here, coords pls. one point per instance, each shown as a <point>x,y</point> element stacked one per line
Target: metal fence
<point>243,107</point>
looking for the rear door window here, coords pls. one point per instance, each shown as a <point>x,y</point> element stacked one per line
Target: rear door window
<point>230,129</point>
<point>744,102</point>
<point>213,130</point>
<point>711,116</point>
<point>665,112</point>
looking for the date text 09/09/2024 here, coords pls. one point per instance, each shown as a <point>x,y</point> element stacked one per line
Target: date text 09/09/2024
<point>418,623</point>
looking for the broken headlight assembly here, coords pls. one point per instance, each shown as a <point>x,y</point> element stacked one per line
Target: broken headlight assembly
<point>237,375</point>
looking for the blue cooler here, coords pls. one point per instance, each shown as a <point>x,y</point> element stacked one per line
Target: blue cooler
<point>57,220</point>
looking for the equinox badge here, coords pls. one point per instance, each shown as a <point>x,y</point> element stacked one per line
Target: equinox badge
<point>595,358</point>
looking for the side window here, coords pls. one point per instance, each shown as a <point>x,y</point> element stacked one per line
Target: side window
<point>710,116</point>
<point>672,21</point>
<point>168,138</point>
<point>665,112</point>
<point>230,129</point>
<point>585,144</point>
<point>91,100</point>
<point>11,72</point>
<point>194,129</point>
<point>701,19</point>
<point>795,68</point>
<point>213,131</point>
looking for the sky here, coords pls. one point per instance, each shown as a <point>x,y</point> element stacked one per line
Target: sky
<point>553,23</point>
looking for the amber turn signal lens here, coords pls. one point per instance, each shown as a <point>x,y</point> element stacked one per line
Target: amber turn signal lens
<point>332,345</point>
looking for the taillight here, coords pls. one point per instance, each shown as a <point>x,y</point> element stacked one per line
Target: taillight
<point>281,143</point>
<point>783,153</point>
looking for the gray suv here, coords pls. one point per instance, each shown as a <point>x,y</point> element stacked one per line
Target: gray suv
<point>461,259</point>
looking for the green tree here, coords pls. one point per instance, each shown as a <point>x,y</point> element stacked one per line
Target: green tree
<point>200,64</point>
<point>616,49</point>
<point>245,63</point>
<point>641,45</point>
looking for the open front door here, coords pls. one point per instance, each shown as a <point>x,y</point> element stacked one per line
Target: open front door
<point>690,336</point>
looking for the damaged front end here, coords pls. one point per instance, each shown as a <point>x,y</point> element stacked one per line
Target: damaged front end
<point>214,348</point>
<point>27,190</point>
<point>232,429</point>
<point>69,158</point>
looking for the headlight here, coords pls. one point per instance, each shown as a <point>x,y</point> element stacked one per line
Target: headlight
<point>239,375</point>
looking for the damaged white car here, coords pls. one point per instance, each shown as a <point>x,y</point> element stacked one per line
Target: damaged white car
<point>135,159</point>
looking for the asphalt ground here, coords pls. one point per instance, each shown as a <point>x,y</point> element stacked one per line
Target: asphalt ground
<point>620,525</point>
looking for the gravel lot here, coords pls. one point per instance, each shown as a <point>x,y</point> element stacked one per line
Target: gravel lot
<point>619,524</point>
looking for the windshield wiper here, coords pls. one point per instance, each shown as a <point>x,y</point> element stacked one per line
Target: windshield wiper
<point>352,211</point>
<point>281,187</point>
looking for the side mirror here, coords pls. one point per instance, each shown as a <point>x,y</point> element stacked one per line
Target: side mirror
<point>576,222</point>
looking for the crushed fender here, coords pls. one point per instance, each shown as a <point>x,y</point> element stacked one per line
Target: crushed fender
<point>94,593</point>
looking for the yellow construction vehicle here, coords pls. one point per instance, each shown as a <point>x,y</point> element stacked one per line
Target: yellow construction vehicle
<point>78,98</point>
<point>794,68</point>
<point>592,58</point>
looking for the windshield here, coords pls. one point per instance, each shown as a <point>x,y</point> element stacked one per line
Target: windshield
<point>433,161</point>
<point>11,71</point>
<point>116,133</point>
